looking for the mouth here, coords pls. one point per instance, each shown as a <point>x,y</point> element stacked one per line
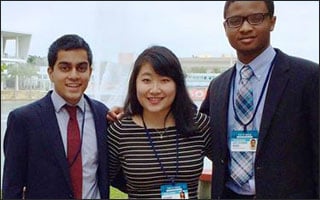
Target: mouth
<point>247,39</point>
<point>73,85</point>
<point>155,100</point>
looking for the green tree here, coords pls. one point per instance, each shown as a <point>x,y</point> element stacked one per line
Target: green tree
<point>37,60</point>
<point>21,71</point>
<point>3,67</point>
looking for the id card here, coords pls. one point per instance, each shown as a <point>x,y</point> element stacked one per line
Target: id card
<point>174,191</point>
<point>244,140</point>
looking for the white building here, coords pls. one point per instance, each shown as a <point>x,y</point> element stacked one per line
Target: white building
<point>14,47</point>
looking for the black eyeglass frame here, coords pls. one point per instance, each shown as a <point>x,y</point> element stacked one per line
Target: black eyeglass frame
<point>246,18</point>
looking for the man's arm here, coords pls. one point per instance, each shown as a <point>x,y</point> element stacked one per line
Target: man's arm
<point>115,114</point>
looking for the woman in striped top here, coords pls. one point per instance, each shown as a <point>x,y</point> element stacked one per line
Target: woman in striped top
<point>161,141</point>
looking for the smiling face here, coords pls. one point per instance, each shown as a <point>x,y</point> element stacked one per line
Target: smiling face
<point>70,74</point>
<point>249,40</point>
<point>155,93</point>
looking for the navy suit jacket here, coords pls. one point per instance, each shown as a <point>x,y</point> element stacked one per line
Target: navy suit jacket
<point>287,156</point>
<point>35,155</point>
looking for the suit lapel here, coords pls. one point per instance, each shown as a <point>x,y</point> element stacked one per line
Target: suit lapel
<point>100,125</point>
<point>277,84</point>
<point>53,135</point>
<point>222,94</point>
<point>101,133</point>
<point>225,95</point>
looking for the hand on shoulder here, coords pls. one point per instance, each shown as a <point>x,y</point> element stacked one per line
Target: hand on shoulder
<point>115,113</point>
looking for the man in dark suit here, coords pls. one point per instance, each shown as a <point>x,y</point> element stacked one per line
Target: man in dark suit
<point>35,143</point>
<point>285,122</point>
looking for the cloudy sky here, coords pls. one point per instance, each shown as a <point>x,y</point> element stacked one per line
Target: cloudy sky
<point>187,27</point>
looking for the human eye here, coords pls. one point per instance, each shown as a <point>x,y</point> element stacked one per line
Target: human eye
<point>146,80</point>
<point>64,67</point>
<point>255,18</point>
<point>82,67</point>
<point>166,80</point>
<point>234,21</point>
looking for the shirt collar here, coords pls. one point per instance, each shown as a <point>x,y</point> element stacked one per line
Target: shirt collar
<point>59,102</point>
<point>261,64</point>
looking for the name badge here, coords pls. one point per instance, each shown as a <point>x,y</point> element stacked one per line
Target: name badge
<point>244,140</point>
<point>174,191</point>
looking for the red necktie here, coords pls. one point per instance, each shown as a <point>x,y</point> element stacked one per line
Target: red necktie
<point>74,151</point>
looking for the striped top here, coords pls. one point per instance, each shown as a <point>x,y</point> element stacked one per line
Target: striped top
<point>130,148</point>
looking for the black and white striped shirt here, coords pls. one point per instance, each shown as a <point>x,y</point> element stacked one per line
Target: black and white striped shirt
<point>130,149</point>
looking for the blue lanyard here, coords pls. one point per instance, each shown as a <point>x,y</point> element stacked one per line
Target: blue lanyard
<point>157,156</point>
<point>259,100</point>
<point>81,136</point>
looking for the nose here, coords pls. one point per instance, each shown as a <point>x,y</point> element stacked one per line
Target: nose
<point>73,73</point>
<point>245,26</point>
<point>155,88</point>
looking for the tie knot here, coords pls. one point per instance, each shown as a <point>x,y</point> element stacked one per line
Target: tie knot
<point>246,72</point>
<point>72,110</point>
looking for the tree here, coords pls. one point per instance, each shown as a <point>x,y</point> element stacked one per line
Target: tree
<point>19,72</point>
<point>3,75</point>
<point>37,60</point>
<point>3,67</point>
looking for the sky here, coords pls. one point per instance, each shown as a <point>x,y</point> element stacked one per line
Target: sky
<point>188,28</point>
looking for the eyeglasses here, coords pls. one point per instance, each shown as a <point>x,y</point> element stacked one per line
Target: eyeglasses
<point>253,19</point>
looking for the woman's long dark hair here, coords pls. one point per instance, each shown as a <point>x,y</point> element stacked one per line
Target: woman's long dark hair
<point>164,63</point>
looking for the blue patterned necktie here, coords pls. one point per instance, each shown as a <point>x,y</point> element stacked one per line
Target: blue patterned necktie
<point>242,162</point>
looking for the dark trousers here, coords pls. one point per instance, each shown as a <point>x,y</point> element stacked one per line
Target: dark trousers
<point>229,194</point>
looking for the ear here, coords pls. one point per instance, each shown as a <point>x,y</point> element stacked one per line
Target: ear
<point>273,23</point>
<point>225,26</point>
<point>50,73</point>
<point>90,68</point>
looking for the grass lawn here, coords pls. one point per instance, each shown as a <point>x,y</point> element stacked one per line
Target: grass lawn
<point>117,194</point>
